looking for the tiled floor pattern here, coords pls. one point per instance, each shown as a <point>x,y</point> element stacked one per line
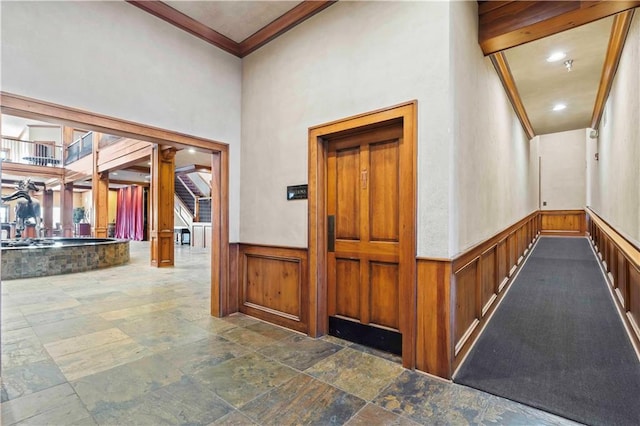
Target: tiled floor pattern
<point>133,345</point>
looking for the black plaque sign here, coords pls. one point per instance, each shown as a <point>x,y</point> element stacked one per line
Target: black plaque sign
<point>297,192</point>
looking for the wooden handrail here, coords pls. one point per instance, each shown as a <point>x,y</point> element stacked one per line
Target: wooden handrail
<point>631,250</point>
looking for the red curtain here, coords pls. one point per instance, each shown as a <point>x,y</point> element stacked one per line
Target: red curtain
<point>129,218</point>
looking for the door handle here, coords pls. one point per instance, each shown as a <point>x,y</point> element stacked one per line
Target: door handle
<point>331,233</point>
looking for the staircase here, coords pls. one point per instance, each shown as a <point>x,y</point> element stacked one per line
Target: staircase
<point>188,192</point>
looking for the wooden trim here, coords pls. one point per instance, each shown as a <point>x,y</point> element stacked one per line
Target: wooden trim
<point>295,16</point>
<point>188,24</point>
<point>629,249</point>
<point>468,288</point>
<point>620,260</point>
<point>514,23</point>
<point>433,328</point>
<point>22,106</point>
<point>318,317</point>
<point>619,31</point>
<point>277,269</point>
<point>40,110</point>
<point>488,267</point>
<point>281,25</point>
<point>563,222</point>
<point>504,72</point>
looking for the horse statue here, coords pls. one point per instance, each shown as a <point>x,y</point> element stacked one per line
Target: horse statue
<point>25,210</point>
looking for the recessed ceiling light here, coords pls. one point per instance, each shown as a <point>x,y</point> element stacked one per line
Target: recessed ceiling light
<point>192,151</point>
<point>559,107</point>
<point>556,56</point>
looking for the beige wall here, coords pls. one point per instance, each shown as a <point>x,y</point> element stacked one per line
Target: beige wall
<point>563,170</point>
<point>494,165</point>
<point>352,58</point>
<point>615,177</point>
<point>126,63</point>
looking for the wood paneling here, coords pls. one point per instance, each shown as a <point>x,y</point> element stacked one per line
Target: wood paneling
<point>385,187</point>
<point>383,295</point>
<point>563,222</point>
<point>346,296</point>
<point>465,294</point>
<point>622,259</point>
<point>479,279</point>
<point>619,31</point>
<point>121,154</point>
<point>274,285</point>
<point>507,24</point>
<point>434,350</point>
<point>456,296</point>
<point>348,194</point>
<point>489,279</point>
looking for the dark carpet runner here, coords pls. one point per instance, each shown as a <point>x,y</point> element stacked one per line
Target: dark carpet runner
<point>557,342</point>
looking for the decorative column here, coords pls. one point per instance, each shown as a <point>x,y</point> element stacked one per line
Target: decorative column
<point>66,209</point>
<point>162,190</point>
<point>100,189</point>
<point>47,212</point>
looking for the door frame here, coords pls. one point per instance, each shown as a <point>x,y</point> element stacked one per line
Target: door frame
<point>317,210</point>
<point>21,106</point>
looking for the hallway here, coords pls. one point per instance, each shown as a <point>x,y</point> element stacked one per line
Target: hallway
<point>136,345</point>
<point>557,342</point>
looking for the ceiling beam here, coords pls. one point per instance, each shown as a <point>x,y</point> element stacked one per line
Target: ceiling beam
<point>619,31</point>
<point>295,16</point>
<point>504,72</point>
<point>507,24</point>
<point>190,25</point>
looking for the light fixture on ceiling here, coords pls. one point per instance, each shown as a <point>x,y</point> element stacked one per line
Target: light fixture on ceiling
<point>556,56</point>
<point>569,64</point>
<point>559,107</point>
<point>114,173</point>
<point>192,151</point>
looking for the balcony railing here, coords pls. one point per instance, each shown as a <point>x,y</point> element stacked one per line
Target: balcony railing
<point>79,148</point>
<point>39,153</point>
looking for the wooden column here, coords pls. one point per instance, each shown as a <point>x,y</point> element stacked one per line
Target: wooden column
<point>66,209</point>
<point>162,189</point>
<point>100,194</point>
<point>100,190</point>
<point>47,212</point>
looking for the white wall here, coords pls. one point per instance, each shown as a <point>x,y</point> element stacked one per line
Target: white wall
<point>48,134</point>
<point>563,170</point>
<point>352,58</point>
<point>494,165</point>
<point>615,189</point>
<point>112,58</point>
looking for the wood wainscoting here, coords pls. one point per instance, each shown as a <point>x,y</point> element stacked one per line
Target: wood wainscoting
<point>563,222</point>
<point>621,260</point>
<point>272,284</point>
<point>456,296</point>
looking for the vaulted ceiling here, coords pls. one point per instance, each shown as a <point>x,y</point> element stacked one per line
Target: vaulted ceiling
<point>518,35</point>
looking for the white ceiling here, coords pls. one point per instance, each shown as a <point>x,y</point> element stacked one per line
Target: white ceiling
<point>543,84</point>
<point>15,126</point>
<point>234,19</point>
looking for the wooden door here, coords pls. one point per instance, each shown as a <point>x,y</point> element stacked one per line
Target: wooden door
<point>364,179</point>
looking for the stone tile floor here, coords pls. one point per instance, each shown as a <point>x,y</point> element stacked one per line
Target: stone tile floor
<point>133,345</point>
